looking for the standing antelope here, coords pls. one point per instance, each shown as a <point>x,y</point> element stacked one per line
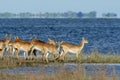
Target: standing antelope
<point>72,48</point>
<point>50,41</point>
<point>19,44</point>
<point>4,44</point>
<point>45,48</point>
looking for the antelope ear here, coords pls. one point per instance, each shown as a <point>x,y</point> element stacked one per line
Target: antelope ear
<point>61,42</point>
<point>16,37</point>
<point>83,38</point>
<point>31,37</point>
<point>49,39</point>
<point>8,36</point>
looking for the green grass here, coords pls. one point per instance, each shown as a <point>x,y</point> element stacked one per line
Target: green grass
<point>96,57</point>
<point>93,57</point>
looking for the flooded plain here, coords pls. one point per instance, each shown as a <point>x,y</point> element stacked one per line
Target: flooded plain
<point>89,69</point>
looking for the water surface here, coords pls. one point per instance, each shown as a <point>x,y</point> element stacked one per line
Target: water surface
<point>103,34</point>
<point>89,69</point>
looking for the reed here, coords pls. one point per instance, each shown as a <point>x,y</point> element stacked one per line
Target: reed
<point>63,74</point>
<point>97,57</point>
<point>93,57</point>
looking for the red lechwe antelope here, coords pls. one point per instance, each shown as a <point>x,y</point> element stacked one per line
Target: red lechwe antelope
<point>45,48</point>
<point>19,44</point>
<point>72,48</point>
<point>1,53</point>
<point>4,44</point>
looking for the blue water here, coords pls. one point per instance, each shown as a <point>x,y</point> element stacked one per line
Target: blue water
<point>89,69</point>
<point>103,34</point>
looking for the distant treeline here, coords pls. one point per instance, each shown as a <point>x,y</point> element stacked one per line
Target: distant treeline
<point>69,14</point>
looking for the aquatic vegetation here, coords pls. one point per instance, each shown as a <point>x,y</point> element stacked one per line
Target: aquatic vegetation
<point>93,57</point>
<point>97,57</point>
<point>79,74</point>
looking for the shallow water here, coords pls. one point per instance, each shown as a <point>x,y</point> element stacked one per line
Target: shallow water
<point>89,69</point>
<point>103,34</point>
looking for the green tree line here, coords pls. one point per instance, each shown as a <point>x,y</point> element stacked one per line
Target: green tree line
<point>69,14</point>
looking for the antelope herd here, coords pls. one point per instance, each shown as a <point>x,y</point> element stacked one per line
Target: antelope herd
<point>32,47</point>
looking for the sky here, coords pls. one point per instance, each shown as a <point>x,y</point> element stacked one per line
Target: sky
<point>35,6</point>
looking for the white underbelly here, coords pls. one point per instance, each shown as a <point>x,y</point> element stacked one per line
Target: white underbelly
<point>39,49</point>
<point>21,48</point>
<point>71,51</point>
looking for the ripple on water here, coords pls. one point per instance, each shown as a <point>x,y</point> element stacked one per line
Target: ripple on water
<point>90,69</point>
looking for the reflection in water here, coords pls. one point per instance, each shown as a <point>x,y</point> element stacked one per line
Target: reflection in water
<point>89,69</point>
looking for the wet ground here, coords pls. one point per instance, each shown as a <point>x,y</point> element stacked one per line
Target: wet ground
<point>89,69</point>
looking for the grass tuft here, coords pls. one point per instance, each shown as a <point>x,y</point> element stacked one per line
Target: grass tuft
<point>93,57</point>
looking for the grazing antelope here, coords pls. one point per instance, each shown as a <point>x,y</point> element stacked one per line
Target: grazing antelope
<point>45,48</point>
<point>19,44</point>
<point>72,48</point>
<point>4,44</point>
